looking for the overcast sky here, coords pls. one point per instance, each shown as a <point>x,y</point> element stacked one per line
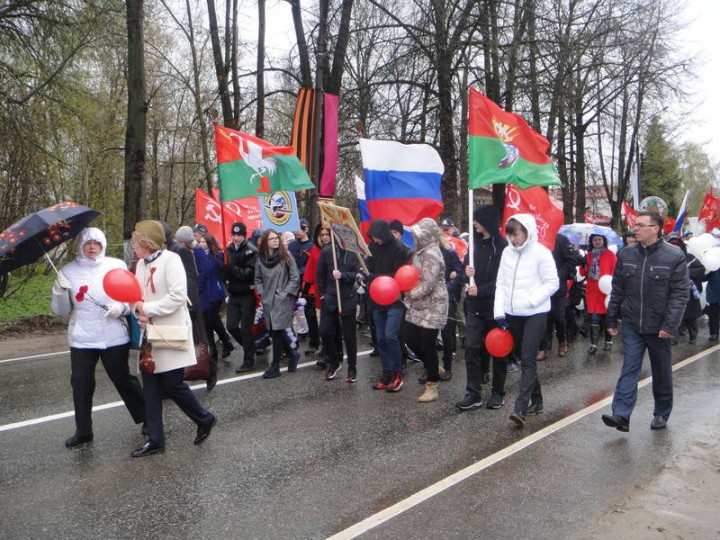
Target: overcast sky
<point>698,116</point>
<point>702,37</point>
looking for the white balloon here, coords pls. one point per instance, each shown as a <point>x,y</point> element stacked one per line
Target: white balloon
<point>711,259</point>
<point>605,284</point>
<point>613,248</point>
<point>607,301</point>
<point>697,244</point>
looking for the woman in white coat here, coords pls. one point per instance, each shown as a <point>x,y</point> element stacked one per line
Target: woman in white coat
<point>95,332</point>
<point>162,279</point>
<point>526,280</point>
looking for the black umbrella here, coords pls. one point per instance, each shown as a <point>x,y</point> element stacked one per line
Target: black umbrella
<point>33,236</point>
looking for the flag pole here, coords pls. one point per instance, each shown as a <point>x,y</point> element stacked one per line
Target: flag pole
<point>471,235</point>
<point>337,281</point>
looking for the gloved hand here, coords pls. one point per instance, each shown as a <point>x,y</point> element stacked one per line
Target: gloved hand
<point>115,310</point>
<point>502,323</point>
<point>61,282</point>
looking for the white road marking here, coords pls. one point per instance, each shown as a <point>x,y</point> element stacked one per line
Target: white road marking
<point>423,495</point>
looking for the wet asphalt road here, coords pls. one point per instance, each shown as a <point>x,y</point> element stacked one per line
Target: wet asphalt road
<point>299,457</point>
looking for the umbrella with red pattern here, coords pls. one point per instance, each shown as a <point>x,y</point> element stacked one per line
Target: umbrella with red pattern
<point>33,236</point>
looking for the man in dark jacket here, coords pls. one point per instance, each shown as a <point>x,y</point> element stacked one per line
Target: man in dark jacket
<point>239,276</point>
<point>388,254</point>
<point>650,289</point>
<point>333,315</point>
<point>479,301</point>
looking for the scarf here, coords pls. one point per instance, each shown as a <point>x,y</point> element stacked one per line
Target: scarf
<point>594,272</point>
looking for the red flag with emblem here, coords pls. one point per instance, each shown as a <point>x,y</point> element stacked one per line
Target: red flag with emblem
<point>207,212</point>
<point>630,215</point>
<point>709,211</point>
<point>535,201</point>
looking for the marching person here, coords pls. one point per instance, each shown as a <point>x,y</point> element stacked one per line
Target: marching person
<point>696,272</point>
<point>526,280</point>
<point>277,282</point>
<point>162,280</point>
<point>388,254</point>
<point>96,331</point>
<point>211,287</point>
<point>599,262</point>
<point>482,265</point>
<point>427,303</point>
<point>337,317</point>
<point>649,292</point>
<point>239,276</point>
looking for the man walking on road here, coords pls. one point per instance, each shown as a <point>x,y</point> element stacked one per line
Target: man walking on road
<point>650,289</point>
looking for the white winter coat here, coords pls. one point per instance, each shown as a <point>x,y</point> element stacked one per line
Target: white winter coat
<point>527,276</point>
<point>165,302</point>
<point>89,328</point>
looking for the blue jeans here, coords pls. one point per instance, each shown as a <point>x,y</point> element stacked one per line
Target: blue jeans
<point>660,352</point>
<point>387,326</point>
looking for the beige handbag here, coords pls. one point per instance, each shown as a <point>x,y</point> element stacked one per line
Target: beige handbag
<point>175,337</point>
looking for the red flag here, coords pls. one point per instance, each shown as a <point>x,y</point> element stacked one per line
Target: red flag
<point>535,201</point>
<point>630,215</point>
<point>709,211</point>
<point>207,212</point>
<point>668,225</point>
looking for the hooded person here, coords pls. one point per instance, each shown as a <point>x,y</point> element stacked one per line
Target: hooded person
<point>388,254</point>
<point>526,280</point>
<point>96,331</point>
<point>427,303</point>
<point>487,251</point>
<point>599,262</point>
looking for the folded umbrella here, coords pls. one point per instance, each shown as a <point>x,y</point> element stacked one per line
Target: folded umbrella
<point>33,236</point>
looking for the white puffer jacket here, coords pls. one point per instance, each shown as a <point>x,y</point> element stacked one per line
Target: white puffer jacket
<point>527,276</point>
<point>89,328</point>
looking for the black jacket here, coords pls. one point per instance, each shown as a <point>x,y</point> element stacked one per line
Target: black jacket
<point>239,273</point>
<point>567,259</point>
<point>486,261</point>
<point>386,258</point>
<point>349,266</point>
<point>650,288</point>
<point>453,264</point>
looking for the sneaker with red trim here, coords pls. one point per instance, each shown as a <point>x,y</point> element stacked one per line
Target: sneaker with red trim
<point>352,375</point>
<point>396,384</point>
<point>384,382</point>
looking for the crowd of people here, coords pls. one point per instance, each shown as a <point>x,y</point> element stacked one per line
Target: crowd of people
<point>268,283</point>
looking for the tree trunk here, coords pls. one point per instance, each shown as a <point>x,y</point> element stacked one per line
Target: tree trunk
<point>135,134</point>
<point>260,76</point>
<point>220,70</point>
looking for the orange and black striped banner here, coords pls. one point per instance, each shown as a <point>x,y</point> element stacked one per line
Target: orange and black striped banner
<point>304,128</point>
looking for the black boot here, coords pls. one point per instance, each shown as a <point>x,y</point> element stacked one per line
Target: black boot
<point>594,335</point>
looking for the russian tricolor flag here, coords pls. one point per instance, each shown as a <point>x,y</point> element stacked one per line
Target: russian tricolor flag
<point>681,215</point>
<point>402,181</point>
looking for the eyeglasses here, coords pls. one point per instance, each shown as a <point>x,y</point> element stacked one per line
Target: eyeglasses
<point>273,238</point>
<point>643,225</point>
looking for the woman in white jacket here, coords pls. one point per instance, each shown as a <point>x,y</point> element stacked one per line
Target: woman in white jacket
<point>95,332</point>
<point>162,279</point>
<point>526,280</point>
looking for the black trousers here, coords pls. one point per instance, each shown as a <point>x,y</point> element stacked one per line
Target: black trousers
<point>556,320</point>
<point>169,384</point>
<point>422,342</point>
<point>332,325</point>
<point>448,332</point>
<point>240,317</point>
<point>312,320</point>
<point>476,356</point>
<point>527,333</point>
<point>82,379</point>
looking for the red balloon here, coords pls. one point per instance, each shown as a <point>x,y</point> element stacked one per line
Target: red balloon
<point>122,286</point>
<point>384,290</point>
<point>499,342</point>
<point>407,277</point>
